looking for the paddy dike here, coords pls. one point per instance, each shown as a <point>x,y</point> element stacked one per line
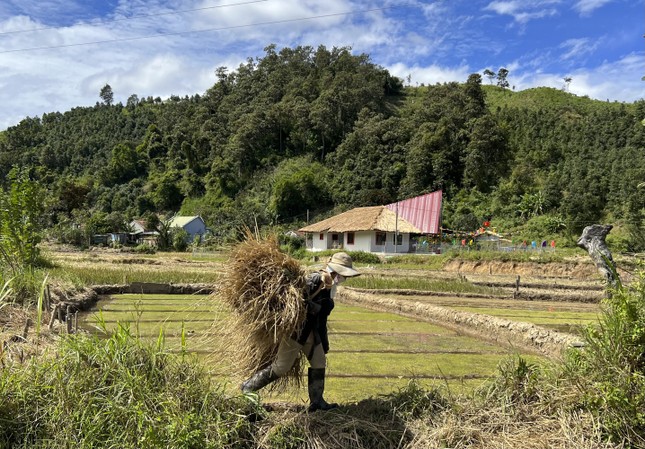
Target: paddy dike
<point>514,334</point>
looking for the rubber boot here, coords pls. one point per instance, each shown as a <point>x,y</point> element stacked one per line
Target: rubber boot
<point>260,379</point>
<point>316,386</point>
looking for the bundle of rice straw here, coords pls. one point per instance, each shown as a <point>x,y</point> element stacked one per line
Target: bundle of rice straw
<point>265,289</point>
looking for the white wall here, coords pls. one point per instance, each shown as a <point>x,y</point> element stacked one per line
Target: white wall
<point>389,244</point>
<point>363,241</point>
<point>317,244</point>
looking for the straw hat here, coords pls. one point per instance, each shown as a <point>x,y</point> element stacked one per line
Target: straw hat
<point>341,263</point>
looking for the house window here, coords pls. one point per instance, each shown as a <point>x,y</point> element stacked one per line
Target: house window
<point>350,238</point>
<point>397,239</point>
<point>334,238</point>
<point>322,236</point>
<point>380,238</point>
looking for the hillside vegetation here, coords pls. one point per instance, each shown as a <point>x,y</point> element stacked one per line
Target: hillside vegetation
<point>313,131</point>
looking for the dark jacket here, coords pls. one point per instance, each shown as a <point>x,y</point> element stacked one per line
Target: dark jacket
<point>319,306</point>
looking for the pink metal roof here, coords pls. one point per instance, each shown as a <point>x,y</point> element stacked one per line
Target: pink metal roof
<point>423,212</point>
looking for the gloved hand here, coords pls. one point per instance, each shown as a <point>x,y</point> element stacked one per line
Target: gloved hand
<point>313,308</point>
<point>327,280</point>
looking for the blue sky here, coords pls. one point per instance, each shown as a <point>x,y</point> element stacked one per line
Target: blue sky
<point>57,54</point>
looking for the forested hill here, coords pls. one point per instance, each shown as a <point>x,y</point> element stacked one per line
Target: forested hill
<point>314,131</point>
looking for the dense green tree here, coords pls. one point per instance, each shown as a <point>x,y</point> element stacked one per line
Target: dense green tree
<point>107,95</point>
<point>123,165</point>
<point>21,221</point>
<point>369,165</point>
<point>487,155</point>
<point>502,78</point>
<point>300,185</point>
<point>165,191</point>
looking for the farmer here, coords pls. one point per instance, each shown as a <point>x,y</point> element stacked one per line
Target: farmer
<point>312,339</point>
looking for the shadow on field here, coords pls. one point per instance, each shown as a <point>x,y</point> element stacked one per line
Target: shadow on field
<point>374,423</point>
<point>371,423</point>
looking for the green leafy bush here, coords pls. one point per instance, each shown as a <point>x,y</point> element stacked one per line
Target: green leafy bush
<point>21,222</point>
<point>144,248</point>
<point>179,239</point>
<point>364,257</point>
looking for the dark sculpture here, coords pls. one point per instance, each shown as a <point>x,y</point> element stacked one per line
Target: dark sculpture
<point>593,240</point>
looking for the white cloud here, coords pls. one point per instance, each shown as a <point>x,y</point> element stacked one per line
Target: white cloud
<point>430,74</point>
<point>576,48</point>
<point>524,11</point>
<point>613,80</point>
<point>586,7</point>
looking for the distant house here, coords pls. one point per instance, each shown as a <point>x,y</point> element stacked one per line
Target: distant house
<point>485,239</point>
<point>384,229</point>
<point>141,234</point>
<point>370,229</point>
<point>193,225</point>
<point>138,226</point>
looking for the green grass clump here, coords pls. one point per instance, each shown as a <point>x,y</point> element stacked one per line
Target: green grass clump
<point>117,392</point>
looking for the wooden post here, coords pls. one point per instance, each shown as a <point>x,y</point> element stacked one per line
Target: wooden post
<point>48,298</point>
<point>68,319</point>
<point>25,330</point>
<point>76,322</point>
<point>53,316</point>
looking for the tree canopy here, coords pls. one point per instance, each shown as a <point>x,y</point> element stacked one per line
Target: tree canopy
<point>315,129</point>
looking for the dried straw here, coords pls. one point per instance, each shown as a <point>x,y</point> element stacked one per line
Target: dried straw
<point>264,288</point>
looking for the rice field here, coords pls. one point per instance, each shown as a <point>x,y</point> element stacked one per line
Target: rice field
<point>371,352</point>
<point>555,315</point>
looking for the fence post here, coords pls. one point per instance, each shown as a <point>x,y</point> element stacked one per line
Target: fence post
<point>516,293</point>
<point>53,316</point>
<point>68,319</point>
<point>48,297</point>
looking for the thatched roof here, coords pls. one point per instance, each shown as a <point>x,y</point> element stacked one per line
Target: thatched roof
<point>374,218</point>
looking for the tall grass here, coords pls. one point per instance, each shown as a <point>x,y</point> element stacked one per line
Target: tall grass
<point>117,392</point>
<point>452,286</point>
<point>120,274</point>
<point>5,293</point>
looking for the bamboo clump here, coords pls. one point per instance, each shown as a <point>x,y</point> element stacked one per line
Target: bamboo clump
<point>264,288</point>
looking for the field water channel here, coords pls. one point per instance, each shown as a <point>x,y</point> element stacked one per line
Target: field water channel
<point>372,352</point>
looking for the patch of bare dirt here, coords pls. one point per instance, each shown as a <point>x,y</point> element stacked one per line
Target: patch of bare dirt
<point>570,270</point>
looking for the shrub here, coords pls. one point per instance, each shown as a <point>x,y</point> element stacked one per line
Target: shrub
<point>21,222</point>
<point>144,248</point>
<point>610,370</point>
<point>179,239</point>
<point>364,257</point>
